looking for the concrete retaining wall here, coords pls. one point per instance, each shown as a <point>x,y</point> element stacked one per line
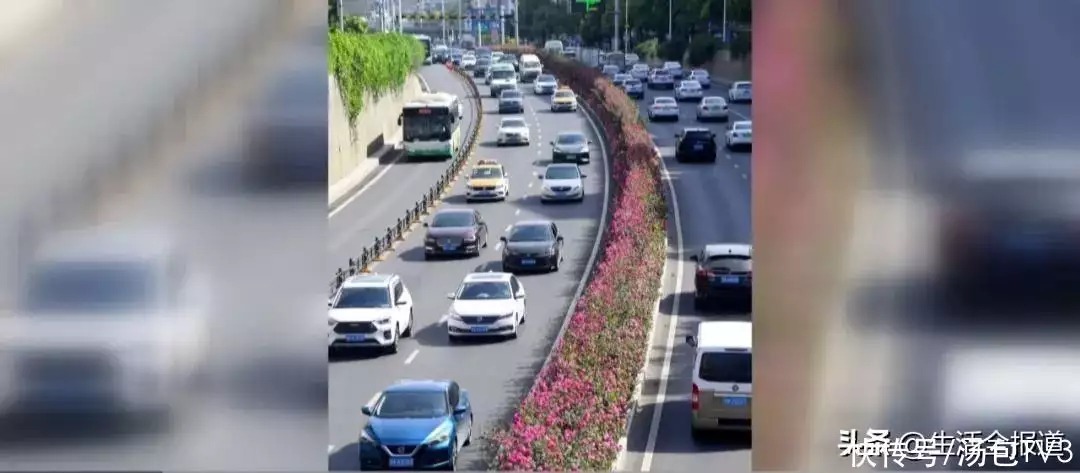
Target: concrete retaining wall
<point>354,149</point>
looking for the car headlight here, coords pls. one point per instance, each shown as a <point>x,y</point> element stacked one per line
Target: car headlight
<point>367,437</point>
<point>506,316</point>
<point>440,435</point>
<point>382,321</point>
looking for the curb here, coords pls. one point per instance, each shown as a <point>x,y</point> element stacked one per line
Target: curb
<point>639,381</point>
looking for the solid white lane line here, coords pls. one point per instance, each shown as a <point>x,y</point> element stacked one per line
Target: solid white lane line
<point>518,211</point>
<point>330,449</point>
<point>366,186</point>
<point>508,227</point>
<point>673,324</point>
<point>412,356</point>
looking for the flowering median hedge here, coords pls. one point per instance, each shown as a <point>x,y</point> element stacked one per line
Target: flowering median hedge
<point>576,412</point>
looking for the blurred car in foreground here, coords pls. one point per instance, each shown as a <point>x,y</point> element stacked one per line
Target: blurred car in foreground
<point>416,425</point>
<point>112,321</point>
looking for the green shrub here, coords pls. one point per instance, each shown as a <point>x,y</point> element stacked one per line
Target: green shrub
<point>371,64</point>
<point>355,24</point>
<point>648,50</point>
<point>702,49</point>
<point>673,50</point>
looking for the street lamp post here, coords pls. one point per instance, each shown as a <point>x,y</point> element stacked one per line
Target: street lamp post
<point>724,27</point>
<point>669,14</point>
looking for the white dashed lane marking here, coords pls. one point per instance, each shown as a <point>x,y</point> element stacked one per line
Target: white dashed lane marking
<point>412,356</point>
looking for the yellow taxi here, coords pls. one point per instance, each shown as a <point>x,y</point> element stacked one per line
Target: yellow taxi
<point>564,100</point>
<point>487,181</point>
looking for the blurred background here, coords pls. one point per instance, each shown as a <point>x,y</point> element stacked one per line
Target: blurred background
<point>164,186</point>
<point>917,211</point>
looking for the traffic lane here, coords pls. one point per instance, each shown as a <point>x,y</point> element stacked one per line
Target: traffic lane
<point>714,206</point>
<point>496,373</point>
<point>663,132</point>
<point>393,188</point>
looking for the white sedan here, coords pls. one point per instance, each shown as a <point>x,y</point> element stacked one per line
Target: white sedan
<point>486,304</point>
<point>689,90</point>
<point>513,131</point>
<point>468,61</point>
<point>712,108</point>
<point>740,135</point>
<point>702,76</point>
<point>741,91</point>
<point>664,108</point>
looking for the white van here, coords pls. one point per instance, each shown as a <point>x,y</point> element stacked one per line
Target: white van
<point>530,67</point>
<point>722,390</point>
<point>554,46</point>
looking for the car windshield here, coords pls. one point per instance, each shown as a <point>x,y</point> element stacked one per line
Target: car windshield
<point>712,101</point>
<point>741,127</point>
<point>485,290</point>
<point>91,287</point>
<point>511,94</point>
<point>730,263</point>
<point>664,101</point>
<point>562,172</point>
<point>570,139</point>
<point>743,87</point>
<point>671,65</point>
<point>502,74</point>
<point>726,367</point>
<point>452,219</point>
<point>513,123</point>
<point>564,95</point>
<point>539,232</point>
<point>363,298</point>
<point>483,61</point>
<point>622,76</point>
<point>545,79</point>
<point>632,82</point>
<point>699,72</point>
<point>691,85</point>
<point>487,173</point>
<point>427,127</point>
<point>611,68</point>
<point>411,404</point>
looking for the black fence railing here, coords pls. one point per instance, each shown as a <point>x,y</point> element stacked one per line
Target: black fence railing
<point>398,230</point>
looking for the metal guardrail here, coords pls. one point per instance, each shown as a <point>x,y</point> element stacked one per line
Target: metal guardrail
<point>397,231</point>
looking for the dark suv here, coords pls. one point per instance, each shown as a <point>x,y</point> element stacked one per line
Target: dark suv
<point>724,273</point>
<point>695,144</point>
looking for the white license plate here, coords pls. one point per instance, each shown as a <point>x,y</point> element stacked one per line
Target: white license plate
<point>478,329</point>
<point>355,338</point>
<point>401,463</point>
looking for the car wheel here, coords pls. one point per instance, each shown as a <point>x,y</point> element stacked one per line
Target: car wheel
<point>393,348</point>
<point>408,330</point>
<point>554,267</point>
<point>452,339</point>
<point>427,257</point>
<point>514,334</point>
<point>696,434</point>
<point>468,437</point>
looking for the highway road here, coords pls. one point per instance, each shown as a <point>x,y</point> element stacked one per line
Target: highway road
<point>714,206</point>
<point>497,374</point>
<point>392,187</point>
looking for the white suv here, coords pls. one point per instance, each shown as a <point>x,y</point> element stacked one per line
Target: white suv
<point>371,310</point>
<point>486,304</point>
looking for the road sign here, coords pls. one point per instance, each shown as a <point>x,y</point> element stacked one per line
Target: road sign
<point>582,6</point>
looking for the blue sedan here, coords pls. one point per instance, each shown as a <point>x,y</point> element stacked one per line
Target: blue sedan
<point>416,425</point>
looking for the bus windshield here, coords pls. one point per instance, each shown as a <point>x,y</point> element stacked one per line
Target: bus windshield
<point>435,125</point>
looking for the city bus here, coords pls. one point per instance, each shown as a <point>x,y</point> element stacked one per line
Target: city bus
<point>426,41</point>
<point>431,126</point>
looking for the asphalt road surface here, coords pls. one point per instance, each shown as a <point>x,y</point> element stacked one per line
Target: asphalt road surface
<point>392,188</point>
<point>497,374</point>
<point>714,207</point>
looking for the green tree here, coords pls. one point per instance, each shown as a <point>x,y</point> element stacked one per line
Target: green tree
<point>355,24</point>
<point>332,14</point>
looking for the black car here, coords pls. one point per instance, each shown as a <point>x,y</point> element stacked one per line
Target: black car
<point>724,273</point>
<point>482,66</point>
<point>695,144</point>
<point>532,246</point>
<point>455,232</point>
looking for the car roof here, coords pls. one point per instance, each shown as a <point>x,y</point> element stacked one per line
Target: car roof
<point>690,82</point>
<point>454,210</point>
<point>713,97</point>
<point>741,82</point>
<point>430,385</point>
<point>743,122</point>
<point>663,99</point>
<point>487,163</point>
<point>561,165</point>
<point>570,133</point>
<point>529,223</point>
<point>725,334</point>
<point>691,129</point>
<point>743,249</point>
<point>512,119</point>
<point>368,280</point>
<point>486,277</point>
